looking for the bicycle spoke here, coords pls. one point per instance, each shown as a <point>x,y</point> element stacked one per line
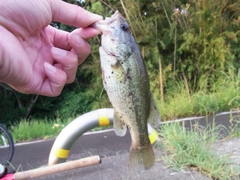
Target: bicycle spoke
<point>6,145</point>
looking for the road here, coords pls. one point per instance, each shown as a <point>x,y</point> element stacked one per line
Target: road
<point>114,151</point>
<point>105,144</point>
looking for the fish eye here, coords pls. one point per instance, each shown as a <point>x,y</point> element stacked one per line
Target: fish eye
<point>124,26</point>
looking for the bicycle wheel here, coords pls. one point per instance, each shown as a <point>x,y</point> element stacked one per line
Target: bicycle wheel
<point>6,145</point>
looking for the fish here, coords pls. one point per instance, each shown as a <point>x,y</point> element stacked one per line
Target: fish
<point>126,81</point>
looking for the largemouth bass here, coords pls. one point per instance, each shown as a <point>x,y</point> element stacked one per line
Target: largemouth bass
<point>126,82</point>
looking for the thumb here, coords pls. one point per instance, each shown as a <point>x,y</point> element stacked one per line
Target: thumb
<point>72,14</point>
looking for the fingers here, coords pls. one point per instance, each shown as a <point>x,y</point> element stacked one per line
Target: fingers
<point>59,38</point>
<point>67,60</point>
<point>86,33</point>
<point>70,50</point>
<point>78,43</point>
<point>64,40</point>
<point>72,14</point>
<point>61,73</point>
<point>53,85</point>
<point>80,47</point>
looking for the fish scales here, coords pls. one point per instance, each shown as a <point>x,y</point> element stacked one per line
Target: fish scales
<point>126,82</point>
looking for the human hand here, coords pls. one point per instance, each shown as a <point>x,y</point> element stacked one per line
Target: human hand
<point>36,58</point>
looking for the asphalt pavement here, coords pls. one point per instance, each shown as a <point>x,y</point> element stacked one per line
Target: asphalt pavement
<point>114,151</point>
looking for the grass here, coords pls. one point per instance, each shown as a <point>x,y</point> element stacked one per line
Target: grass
<point>180,102</point>
<point>36,129</point>
<point>40,129</point>
<point>190,149</point>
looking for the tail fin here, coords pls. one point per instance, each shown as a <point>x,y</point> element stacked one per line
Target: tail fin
<point>140,159</point>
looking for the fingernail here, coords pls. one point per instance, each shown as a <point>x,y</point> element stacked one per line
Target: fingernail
<point>58,52</point>
<point>50,68</point>
<point>79,40</point>
<point>97,16</point>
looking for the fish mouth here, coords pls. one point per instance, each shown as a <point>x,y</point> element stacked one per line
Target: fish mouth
<point>103,25</point>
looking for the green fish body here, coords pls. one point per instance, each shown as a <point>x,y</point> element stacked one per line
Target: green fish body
<point>126,82</point>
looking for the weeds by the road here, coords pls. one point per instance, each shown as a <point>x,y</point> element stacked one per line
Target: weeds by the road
<point>181,102</point>
<point>36,129</point>
<point>190,149</point>
<point>40,129</point>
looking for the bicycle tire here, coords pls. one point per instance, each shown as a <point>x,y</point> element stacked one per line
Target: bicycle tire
<point>4,133</point>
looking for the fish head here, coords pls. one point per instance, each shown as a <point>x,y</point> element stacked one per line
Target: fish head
<point>116,39</point>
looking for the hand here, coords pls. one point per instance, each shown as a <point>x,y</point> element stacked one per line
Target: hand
<point>36,58</point>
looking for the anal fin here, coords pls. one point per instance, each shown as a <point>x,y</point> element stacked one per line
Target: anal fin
<point>118,124</point>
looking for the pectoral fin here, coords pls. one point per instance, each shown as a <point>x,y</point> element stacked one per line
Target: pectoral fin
<point>118,124</point>
<point>154,115</point>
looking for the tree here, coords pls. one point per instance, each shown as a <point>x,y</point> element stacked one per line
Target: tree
<point>190,40</point>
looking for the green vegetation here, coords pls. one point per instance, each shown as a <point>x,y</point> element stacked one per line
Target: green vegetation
<point>224,95</point>
<point>37,129</point>
<point>41,129</point>
<point>191,149</point>
<point>191,49</point>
